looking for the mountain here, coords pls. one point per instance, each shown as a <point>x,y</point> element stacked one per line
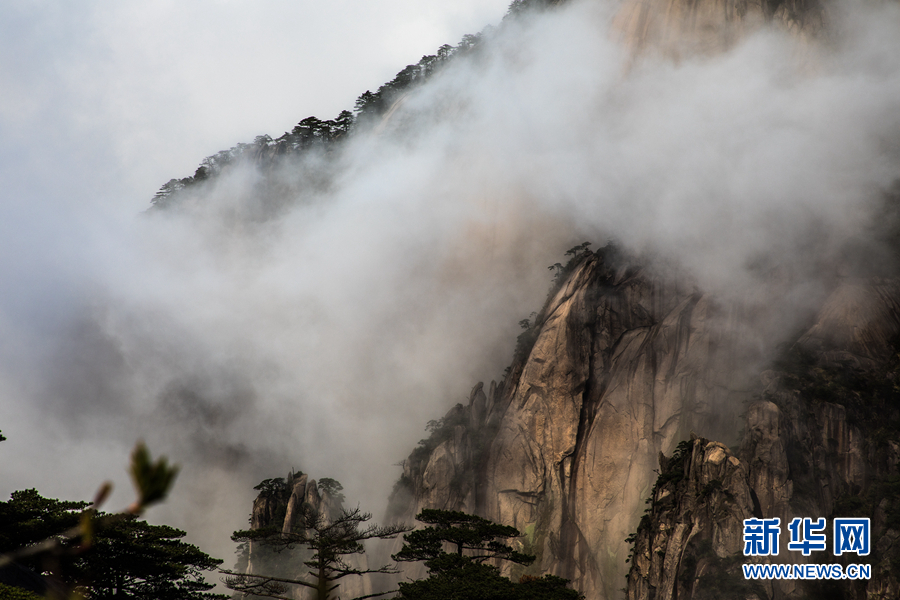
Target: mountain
<point>821,441</point>
<point>646,415</point>
<point>618,370</point>
<point>618,366</point>
<point>682,29</point>
<point>597,414</point>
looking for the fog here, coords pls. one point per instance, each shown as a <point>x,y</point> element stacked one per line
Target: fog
<point>325,338</point>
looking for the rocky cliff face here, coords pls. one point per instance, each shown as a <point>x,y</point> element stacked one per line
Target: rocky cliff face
<point>687,543</point>
<point>619,367</point>
<point>680,28</point>
<point>821,441</point>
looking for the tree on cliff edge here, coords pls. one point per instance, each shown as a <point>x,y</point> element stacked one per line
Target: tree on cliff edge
<point>462,573</point>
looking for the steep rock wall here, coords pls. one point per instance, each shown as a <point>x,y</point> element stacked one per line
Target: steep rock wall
<point>686,542</point>
<point>823,440</point>
<point>617,367</point>
<point>680,28</point>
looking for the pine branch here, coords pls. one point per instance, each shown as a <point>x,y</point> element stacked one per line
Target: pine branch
<point>375,595</point>
<point>241,579</point>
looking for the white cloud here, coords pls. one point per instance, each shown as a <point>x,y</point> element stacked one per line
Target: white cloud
<point>329,337</point>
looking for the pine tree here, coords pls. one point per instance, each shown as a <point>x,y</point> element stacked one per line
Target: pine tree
<point>463,572</point>
<point>331,540</point>
<point>126,557</point>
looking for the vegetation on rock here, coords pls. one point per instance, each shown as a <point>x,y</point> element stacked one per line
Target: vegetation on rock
<point>325,136</point>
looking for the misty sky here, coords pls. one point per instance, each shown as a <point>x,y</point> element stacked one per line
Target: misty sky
<point>325,339</point>
<point>110,100</point>
<point>101,103</point>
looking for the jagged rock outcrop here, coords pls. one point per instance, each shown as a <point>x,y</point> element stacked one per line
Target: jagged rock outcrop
<point>622,368</point>
<point>686,544</point>
<point>617,367</point>
<point>680,28</point>
<point>823,440</point>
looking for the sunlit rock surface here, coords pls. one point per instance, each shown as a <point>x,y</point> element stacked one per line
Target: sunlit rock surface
<point>681,28</point>
<point>693,526</point>
<point>616,368</point>
<point>821,441</point>
<point>620,366</point>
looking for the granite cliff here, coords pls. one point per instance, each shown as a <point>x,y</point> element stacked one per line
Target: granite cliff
<point>822,440</point>
<point>618,366</point>
<point>618,369</point>
<point>627,359</point>
<point>633,385</point>
<point>682,28</point>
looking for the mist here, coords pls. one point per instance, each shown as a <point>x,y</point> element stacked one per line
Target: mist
<point>324,338</point>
